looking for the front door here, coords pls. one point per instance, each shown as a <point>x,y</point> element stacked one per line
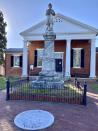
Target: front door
<point>58,65</point>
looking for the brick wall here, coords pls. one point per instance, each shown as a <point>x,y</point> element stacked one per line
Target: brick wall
<point>11,71</point>
<point>86,46</point>
<point>32,47</point>
<point>60,46</point>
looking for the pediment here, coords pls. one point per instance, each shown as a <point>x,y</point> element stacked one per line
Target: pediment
<point>62,25</point>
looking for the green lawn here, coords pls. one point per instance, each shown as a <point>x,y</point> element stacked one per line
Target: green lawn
<point>69,91</point>
<point>95,87</point>
<point>2,83</point>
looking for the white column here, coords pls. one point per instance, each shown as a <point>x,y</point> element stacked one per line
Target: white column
<point>25,60</point>
<point>93,59</point>
<point>68,49</point>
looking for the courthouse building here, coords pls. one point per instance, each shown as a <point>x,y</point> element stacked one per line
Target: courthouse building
<point>75,50</point>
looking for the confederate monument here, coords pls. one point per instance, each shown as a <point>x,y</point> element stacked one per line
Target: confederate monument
<point>48,76</point>
<point>48,60</point>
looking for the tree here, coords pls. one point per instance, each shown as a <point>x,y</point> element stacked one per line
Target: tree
<point>3,39</point>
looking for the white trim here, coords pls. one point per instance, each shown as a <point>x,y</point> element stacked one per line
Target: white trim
<point>68,57</point>
<point>39,48</point>
<point>62,37</point>
<point>64,18</point>
<point>25,60</point>
<point>93,59</point>
<point>39,66</point>
<point>77,67</point>
<point>77,48</point>
<point>16,67</point>
<point>16,54</point>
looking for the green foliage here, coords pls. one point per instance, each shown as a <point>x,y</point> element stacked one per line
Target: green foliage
<point>2,83</point>
<point>68,91</point>
<point>13,78</point>
<point>3,39</point>
<point>95,87</point>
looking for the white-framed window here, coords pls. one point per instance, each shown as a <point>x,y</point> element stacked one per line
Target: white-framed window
<point>77,57</point>
<point>39,57</point>
<point>39,62</point>
<point>16,61</point>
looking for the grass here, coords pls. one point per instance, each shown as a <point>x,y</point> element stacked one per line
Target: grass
<point>68,91</point>
<point>2,83</point>
<point>95,87</point>
<point>13,78</point>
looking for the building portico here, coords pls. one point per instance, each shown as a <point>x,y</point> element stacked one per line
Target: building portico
<point>72,33</point>
<point>66,66</point>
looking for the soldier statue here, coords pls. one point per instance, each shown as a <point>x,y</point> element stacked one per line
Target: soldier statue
<point>49,13</point>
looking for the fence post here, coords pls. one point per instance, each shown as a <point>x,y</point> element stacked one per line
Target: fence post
<point>84,102</point>
<point>27,78</point>
<point>75,81</point>
<point>8,90</point>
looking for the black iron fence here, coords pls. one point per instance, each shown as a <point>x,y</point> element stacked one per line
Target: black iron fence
<point>24,90</point>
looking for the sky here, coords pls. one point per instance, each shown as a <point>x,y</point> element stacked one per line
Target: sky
<point>22,14</point>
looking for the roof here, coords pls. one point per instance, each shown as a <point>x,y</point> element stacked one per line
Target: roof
<point>67,25</point>
<point>14,50</point>
<point>96,49</point>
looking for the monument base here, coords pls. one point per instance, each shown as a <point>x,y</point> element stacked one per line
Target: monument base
<point>43,83</point>
<point>48,81</point>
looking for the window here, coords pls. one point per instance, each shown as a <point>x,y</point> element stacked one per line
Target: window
<point>16,61</point>
<point>39,57</point>
<point>77,58</point>
<point>39,62</point>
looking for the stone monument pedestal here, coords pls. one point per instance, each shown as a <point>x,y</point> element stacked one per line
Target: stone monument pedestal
<point>48,76</point>
<point>48,60</point>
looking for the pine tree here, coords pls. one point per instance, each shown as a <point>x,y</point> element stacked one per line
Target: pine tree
<point>3,39</point>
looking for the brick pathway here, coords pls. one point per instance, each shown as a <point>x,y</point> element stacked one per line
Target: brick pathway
<point>67,117</point>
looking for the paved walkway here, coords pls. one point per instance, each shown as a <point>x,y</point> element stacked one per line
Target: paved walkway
<point>67,117</point>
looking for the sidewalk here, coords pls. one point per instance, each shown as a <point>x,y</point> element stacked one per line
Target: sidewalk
<point>67,117</point>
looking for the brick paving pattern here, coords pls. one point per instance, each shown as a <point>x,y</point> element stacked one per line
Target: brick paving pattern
<point>68,117</point>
